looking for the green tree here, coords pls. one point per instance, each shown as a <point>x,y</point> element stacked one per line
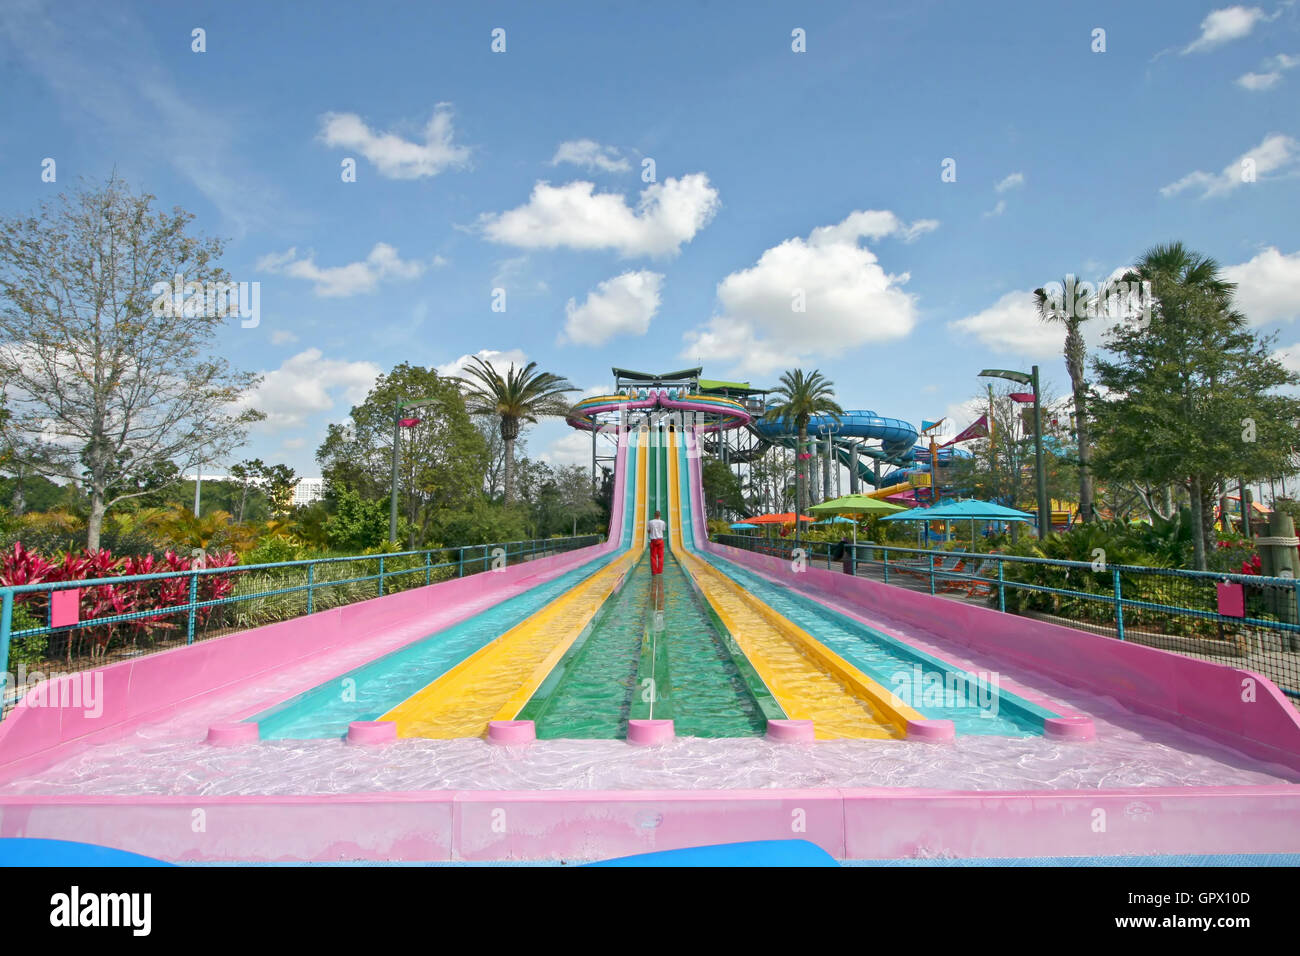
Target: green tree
<point>99,384</point>
<point>441,460</point>
<point>722,491</point>
<point>798,398</point>
<point>521,395</point>
<point>1191,395</point>
<point>1070,306</point>
<point>357,524</point>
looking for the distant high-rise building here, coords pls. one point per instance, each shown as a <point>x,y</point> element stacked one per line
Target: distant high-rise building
<point>308,490</point>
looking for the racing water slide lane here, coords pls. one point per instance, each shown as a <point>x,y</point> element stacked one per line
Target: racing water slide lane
<point>497,681</point>
<point>367,691</point>
<point>654,651</point>
<point>807,679</point>
<point>974,702</point>
<point>711,689</point>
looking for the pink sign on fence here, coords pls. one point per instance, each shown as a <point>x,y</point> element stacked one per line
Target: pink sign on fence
<point>65,607</point>
<point>1232,599</point>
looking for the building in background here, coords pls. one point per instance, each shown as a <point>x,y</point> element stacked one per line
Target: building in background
<point>308,490</point>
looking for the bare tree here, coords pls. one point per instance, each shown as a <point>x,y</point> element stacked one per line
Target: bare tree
<point>99,379</point>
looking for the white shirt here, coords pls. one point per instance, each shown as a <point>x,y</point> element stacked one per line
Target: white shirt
<point>655,529</point>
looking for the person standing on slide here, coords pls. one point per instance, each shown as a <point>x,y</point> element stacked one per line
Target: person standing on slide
<point>655,529</point>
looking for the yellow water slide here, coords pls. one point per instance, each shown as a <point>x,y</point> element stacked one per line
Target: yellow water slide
<point>496,681</point>
<point>808,680</point>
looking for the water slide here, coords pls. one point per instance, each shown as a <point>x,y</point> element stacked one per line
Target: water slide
<point>707,644</point>
<point>726,643</point>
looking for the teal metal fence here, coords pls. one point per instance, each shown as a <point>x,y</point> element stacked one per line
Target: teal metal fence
<point>125,616</point>
<point>1240,619</point>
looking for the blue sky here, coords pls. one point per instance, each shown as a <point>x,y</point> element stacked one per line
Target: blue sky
<point>774,171</point>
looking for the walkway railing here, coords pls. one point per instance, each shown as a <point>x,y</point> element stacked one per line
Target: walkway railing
<point>1240,619</point>
<point>118,617</point>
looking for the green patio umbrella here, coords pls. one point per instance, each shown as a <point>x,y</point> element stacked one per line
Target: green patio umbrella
<point>855,505</point>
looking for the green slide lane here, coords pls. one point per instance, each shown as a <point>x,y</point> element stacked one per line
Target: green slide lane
<point>589,693</point>
<point>694,672</point>
<point>654,650</point>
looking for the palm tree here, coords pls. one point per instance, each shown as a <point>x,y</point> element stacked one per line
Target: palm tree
<point>1066,310</point>
<point>521,395</point>
<point>1177,273</point>
<point>799,397</point>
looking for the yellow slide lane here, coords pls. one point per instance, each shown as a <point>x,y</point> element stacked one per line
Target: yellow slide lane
<point>808,679</point>
<point>495,682</point>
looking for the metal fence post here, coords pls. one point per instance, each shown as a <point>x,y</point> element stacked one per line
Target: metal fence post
<point>1119,605</point>
<point>1002,589</point>
<point>931,560</point>
<point>6,629</point>
<point>427,571</point>
<point>381,575</point>
<point>886,563</point>
<point>194,596</point>
<point>311,584</point>
<point>460,564</point>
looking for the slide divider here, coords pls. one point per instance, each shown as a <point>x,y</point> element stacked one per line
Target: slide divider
<point>653,698</point>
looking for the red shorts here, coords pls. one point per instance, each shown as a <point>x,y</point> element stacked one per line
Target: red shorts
<point>657,556</point>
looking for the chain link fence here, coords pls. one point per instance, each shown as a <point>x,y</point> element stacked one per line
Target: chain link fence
<point>122,617</point>
<point>1243,620</point>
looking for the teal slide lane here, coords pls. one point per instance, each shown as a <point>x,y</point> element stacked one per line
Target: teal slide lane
<point>374,688</point>
<point>889,661</point>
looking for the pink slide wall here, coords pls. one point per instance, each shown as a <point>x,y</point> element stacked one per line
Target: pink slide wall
<point>151,687</point>
<point>1231,705</point>
<point>884,823</point>
<point>1234,706</point>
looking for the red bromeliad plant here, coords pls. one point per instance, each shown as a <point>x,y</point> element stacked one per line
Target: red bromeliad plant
<point>19,566</point>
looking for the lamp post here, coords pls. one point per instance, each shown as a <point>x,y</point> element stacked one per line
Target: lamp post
<point>1031,379</point>
<point>400,422</point>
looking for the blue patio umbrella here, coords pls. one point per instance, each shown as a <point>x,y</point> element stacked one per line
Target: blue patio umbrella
<point>971,510</point>
<point>742,526</point>
<point>835,520</point>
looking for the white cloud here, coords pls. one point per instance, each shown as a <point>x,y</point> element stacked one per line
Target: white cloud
<point>1289,356</point>
<point>1011,326</point>
<point>1276,152</point>
<point>1224,26</point>
<point>849,299</point>
<point>500,361</point>
<point>306,384</point>
<point>591,155</point>
<point>997,210</point>
<point>1257,82</point>
<point>1011,182</point>
<point>1268,287</point>
<point>283,337</point>
<point>393,156</point>
<point>623,305</point>
<point>383,262</point>
<point>571,448</point>
<point>574,216</point>
<point>1274,66</point>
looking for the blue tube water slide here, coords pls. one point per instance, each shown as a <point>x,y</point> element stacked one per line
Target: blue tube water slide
<point>897,437</point>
